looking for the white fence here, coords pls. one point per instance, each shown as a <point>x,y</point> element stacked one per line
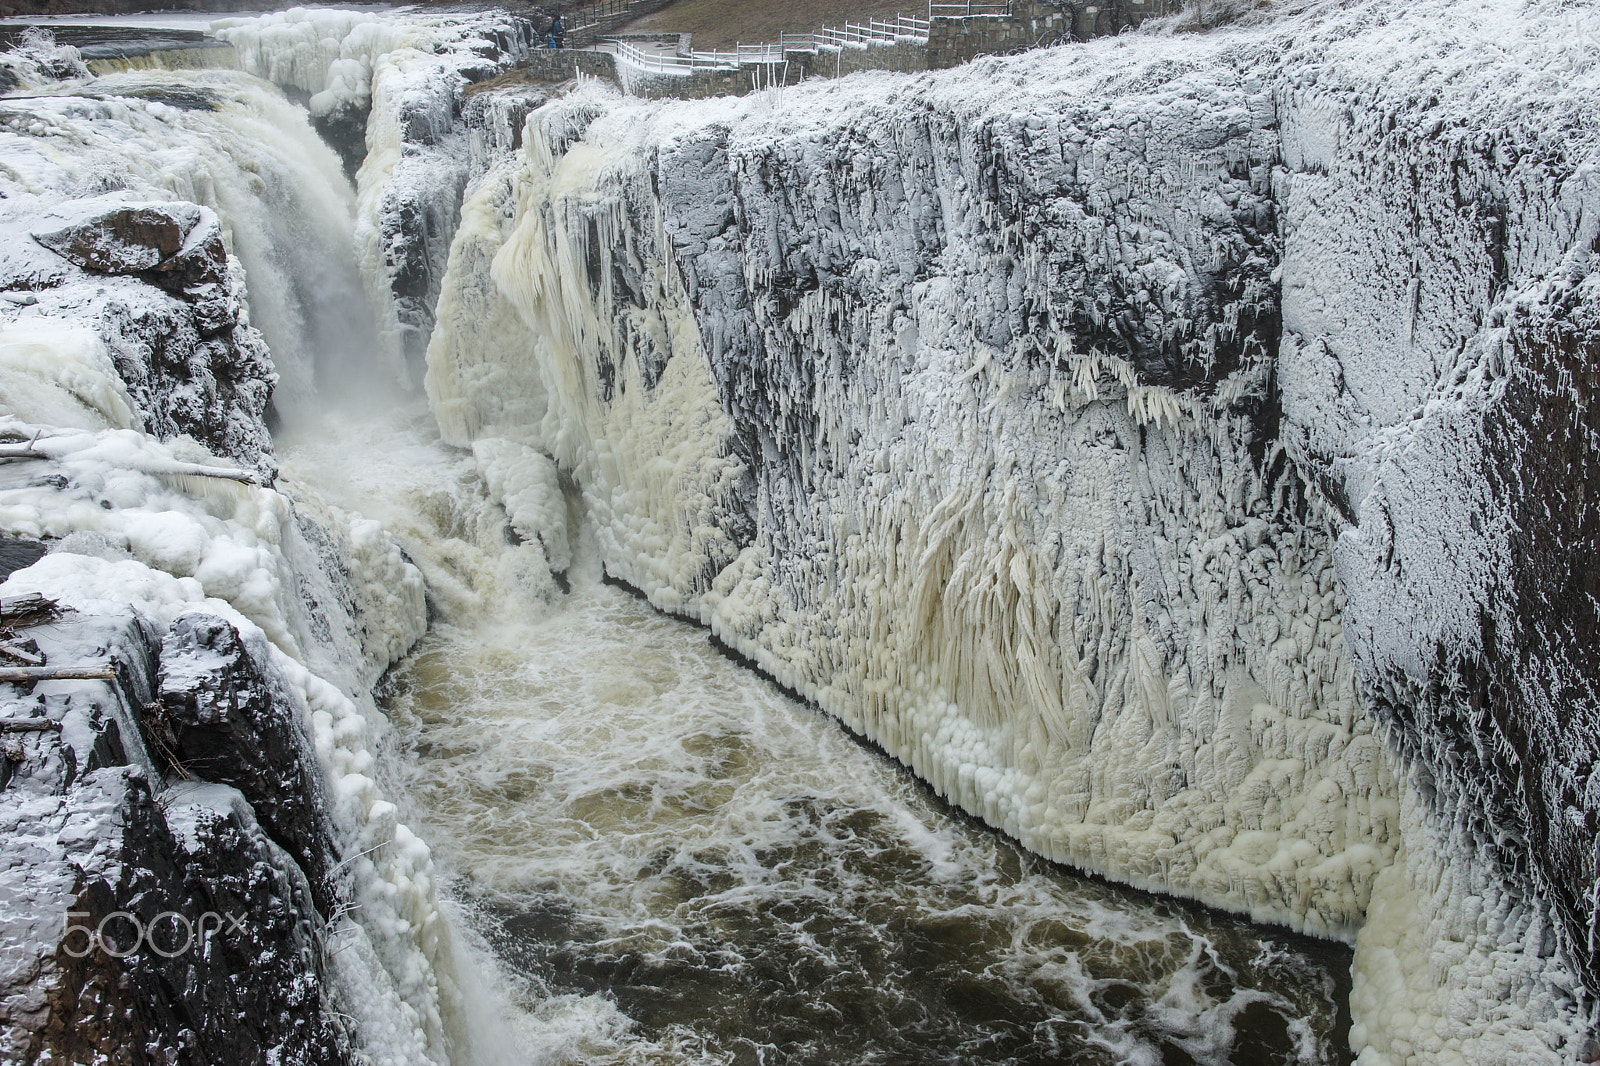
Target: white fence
<point>971,10</point>
<point>660,63</point>
<point>856,35</point>
<point>851,35</point>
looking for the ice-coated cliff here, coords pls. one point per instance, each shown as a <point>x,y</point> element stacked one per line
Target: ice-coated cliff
<point>1173,448</point>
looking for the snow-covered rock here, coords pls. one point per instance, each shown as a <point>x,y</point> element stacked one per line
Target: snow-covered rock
<point>114,886</point>
<point>243,759</point>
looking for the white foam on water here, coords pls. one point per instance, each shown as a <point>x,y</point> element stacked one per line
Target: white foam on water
<point>661,817</point>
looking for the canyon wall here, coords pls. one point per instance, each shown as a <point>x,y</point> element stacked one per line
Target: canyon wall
<point>1171,448</point>
<point>1175,449</point>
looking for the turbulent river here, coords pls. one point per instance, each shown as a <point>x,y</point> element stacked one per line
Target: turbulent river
<point>665,858</point>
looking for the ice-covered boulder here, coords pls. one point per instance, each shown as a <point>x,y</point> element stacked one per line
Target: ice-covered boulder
<point>230,721</point>
<point>178,245</point>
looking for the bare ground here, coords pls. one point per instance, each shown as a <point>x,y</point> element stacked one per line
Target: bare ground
<point>724,23</point>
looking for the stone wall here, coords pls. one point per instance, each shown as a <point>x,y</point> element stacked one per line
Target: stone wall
<point>694,85</point>
<point>559,64</point>
<point>905,56</point>
<point>1033,24</point>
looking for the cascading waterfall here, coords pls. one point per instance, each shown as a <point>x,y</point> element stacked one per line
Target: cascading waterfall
<point>330,592</point>
<point>237,146</point>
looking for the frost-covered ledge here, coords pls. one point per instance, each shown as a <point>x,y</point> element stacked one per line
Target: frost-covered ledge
<point>999,412</point>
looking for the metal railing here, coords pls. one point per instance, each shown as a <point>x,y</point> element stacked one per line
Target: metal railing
<point>851,35</point>
<point>594,12</point>
<point>857,35</point>
<point>979,9</point>
<point>672,64</point>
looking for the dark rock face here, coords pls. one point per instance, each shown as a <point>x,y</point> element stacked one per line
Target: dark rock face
<point>215,387</point>
<point>1440,364</point>
<point>228,720</point>
<point>1545,681</point>
<point>344,129</point>
<point>149,922</point>
<point>1046,249</point>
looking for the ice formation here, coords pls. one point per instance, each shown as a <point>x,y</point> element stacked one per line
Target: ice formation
<point>394,85</point>
<point>1037,419</point>
<point>939,541</point>
<point>133,374</point>
<point>1175,449</point>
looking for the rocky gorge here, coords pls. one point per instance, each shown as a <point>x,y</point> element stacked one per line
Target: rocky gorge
<point>1174,449</point>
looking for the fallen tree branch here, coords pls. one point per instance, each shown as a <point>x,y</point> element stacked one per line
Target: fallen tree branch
<point>230,473</point>
<point>28,674</point>
<point>174,469</point>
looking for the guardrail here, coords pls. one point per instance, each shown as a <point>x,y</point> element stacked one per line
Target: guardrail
<point>981,9</point>
<point>855,35</point>
<point>672,64</point>
<point>851,35</point>
<point>586,15</point>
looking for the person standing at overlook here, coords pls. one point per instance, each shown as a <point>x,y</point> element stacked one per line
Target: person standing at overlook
<point>557,32</point>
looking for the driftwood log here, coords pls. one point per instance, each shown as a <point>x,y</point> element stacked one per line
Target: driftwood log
<point>29,674</point>
<point>20,655</point>
<point>28,725</point>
